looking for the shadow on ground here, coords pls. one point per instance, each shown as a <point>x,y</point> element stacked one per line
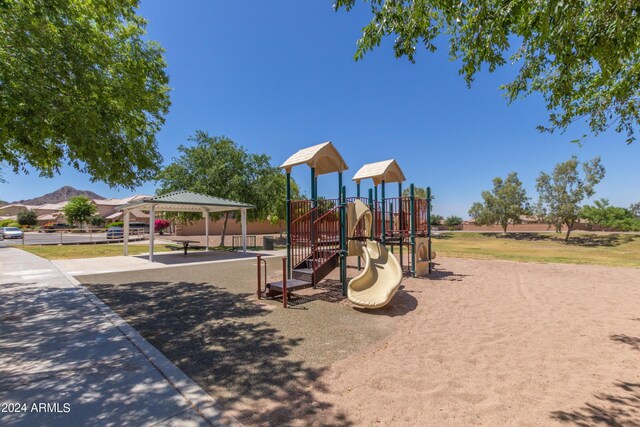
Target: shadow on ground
<point>612,409</point>
<point>586,240</point>
<point>223,342</point>
<point>54,347</point>
<point>619,409</point>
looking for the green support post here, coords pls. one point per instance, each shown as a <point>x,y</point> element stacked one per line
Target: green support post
<point>400,222</point>
<point>358,194</point>
<point>314,204</point>
<point>373,223</point>
<point>343,235</point>
<point>391,219</point>
<point>288,226</point>
<point>412,213</point>
<point>383,232</point>
<point>429,226</point>
<point>342,222</point>
<point>375,207</point>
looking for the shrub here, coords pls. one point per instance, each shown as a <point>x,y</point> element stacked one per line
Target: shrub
<point>160,224</point>
<point>5,223</point>
<point>115,224</point>
<point>453,221</point>
<point>436,219</point>
<point>29,217</point>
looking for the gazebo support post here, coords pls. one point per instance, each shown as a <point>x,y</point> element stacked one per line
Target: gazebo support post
<point>125,232</point>
<point>243,218</point>
<point>205,215</point>
<point>152,230</point>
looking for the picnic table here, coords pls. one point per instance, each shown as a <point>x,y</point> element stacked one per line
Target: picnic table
<point>185,244</point>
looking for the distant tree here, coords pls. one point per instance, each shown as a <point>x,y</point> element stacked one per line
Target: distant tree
<point>418,192</point>
<point>80,84</point>
<point>635,209</point>
<point>601,213</point>
<point>503,205</point>
<point>29,217</point>
<point>581,56</point>
<point>561,193</point>
<point>79,210</point>
<point>453,221</point>
<point>97,221</point>
<point>219,167</point>
<point>436,219</point>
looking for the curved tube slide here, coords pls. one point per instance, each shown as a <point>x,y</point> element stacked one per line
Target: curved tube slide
<point>380,278</point>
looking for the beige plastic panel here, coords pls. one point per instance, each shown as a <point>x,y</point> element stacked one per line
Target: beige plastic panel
<point>356,211</point>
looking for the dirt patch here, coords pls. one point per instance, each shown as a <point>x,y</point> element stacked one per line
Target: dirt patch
<point>477,343</point>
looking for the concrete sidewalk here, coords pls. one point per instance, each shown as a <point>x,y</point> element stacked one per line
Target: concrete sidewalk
<point>59,345</point>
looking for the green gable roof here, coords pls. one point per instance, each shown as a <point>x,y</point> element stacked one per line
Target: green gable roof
<point>186,201</point>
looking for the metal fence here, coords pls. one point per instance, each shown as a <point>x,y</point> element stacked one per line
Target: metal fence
<point>74,236</point>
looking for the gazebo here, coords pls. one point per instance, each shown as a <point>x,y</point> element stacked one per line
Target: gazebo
<point>183,201</point>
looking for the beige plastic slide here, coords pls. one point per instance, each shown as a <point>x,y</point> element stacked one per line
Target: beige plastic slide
<point>379,280</point>
<point>382,274</point>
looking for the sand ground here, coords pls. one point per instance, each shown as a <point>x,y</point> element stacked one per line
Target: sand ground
<point>477,343</point>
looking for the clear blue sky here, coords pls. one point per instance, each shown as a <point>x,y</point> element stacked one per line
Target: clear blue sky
<point>278,76</point>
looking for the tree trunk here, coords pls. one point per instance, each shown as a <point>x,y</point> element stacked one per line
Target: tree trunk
<point>569,227</point>
<point>504,229</point>
<point>224,229</point>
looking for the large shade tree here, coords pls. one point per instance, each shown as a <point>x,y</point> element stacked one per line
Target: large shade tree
<point>581,56</point>
<point>80,85</point>
<point>505,204</point>
<point>562,192</point>
<point>219,167</point>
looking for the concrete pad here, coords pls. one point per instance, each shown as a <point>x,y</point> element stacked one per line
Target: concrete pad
<point>67,363</point>
<point>84,266</point>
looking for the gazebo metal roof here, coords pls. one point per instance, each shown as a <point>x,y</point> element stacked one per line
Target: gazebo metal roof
<point>186,201</point>
<point>183,201</point>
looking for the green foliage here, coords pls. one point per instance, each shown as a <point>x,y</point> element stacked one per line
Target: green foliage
<point>453,221</point>
<point>29,217</point>
<point>6,222</point>
<point>418,192</point>
<point>562,192</point>
<point>503,205</point>
<point>116,224</point>
<point>615,218</point>
<point>219,167</point>
<point>436,219</point>
<point>79,84</point>
<point>97,221</point>
<point>79,210</point>
<point>582,57</point>
<point>635,209</point>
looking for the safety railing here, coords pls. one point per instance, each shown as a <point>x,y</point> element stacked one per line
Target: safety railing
<point>301,247</point>
<point>327,232</point>
<point>421,208</point>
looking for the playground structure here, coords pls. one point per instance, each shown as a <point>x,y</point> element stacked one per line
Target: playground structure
<point>322,233</point>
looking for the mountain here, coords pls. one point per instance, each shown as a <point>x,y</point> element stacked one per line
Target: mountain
<point>60,195</point>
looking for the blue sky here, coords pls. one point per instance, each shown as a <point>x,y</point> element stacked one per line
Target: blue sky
<point>279,76</point>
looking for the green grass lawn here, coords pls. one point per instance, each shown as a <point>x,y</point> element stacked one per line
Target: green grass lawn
<point>87,251</point>
<point>620,250</point>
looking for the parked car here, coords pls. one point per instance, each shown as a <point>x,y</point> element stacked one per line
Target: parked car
<point>55,227</point>
<point>115,232</point>
<point>11,233</point>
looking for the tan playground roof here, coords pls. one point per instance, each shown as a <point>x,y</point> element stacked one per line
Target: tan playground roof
<point>386,170</point>
<point>323,157</point>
